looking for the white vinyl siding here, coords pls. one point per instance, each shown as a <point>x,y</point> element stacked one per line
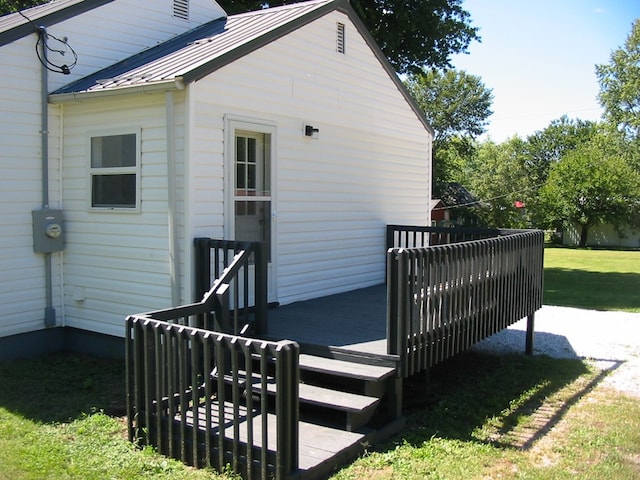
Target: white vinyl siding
<point>116,263</point>
<point>100,37</point>
<point>369,167</point>
<point>22,292</point>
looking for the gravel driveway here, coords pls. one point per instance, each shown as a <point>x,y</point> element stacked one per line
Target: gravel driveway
<point>610,338</point>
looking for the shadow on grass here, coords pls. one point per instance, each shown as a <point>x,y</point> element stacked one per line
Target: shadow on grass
<point>469,389</point>
<point>62,387</point>
<point>591,290</point>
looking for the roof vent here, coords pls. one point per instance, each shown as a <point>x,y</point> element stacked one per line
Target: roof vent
<point>340,47</point>
<point>181,9</point>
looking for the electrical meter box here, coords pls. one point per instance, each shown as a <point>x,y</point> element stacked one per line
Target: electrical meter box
<point>48,233</point>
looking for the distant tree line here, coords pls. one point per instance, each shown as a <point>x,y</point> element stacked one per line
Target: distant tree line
<point>573,171</point>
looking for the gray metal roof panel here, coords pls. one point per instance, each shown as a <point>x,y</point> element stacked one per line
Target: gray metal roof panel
<point>203,49</point>
<point>16,25</point>
<point>197,53</point>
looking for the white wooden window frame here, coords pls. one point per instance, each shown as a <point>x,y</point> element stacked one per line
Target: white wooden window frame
<point>135,169</point>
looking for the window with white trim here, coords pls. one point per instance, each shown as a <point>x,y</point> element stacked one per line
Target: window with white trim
<point>114,173</point>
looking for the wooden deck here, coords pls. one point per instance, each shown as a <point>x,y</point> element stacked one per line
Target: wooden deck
<point>354,321</point>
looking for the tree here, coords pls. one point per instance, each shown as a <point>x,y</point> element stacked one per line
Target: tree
<point>593,184</point>
<point>620,85</point>
<point>546,147</point>
<point>10,6</point>
<point>501,184</point>
<point>541,151</point>
<point>413,34</point>
<point>457,105</point>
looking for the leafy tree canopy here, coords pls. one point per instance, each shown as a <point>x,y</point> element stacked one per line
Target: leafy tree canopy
<point>457,105</point>
<point>413,34</point>
<point>546,147</point>
<point>593,184</point>
<point>499,181</point>
<point>620,85</point>
<point>454,102</point>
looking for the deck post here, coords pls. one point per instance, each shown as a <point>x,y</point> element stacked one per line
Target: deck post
<point>395,396</point>
<point>260,289</point>
<point>530,333</point>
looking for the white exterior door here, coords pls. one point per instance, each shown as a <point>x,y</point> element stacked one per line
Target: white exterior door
<point>249,162</point>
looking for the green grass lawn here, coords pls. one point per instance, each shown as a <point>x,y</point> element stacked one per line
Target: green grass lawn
<point>62,417</point>
<point>592,279</point>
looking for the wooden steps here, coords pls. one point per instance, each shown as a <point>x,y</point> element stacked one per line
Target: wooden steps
<point>319,446</point>
<point>355,408</point>
<point>343,405</point>
<point>370,379</point>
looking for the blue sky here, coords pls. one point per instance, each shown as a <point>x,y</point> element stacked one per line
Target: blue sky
<point>539,57</point>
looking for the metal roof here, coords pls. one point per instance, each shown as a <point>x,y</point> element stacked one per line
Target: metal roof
<point>199,52</point>
<point>196,53</point>
<point>20,24</point>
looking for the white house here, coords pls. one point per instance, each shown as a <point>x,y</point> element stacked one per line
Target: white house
<point>178,121</point>
<point>601,235</point>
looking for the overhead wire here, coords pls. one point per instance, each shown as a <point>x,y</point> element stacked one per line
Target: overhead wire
<point>43,36</point>
<point>478,202</point>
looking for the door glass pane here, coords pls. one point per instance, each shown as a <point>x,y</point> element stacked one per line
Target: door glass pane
<point>253,214</point>
<point>253,222</point>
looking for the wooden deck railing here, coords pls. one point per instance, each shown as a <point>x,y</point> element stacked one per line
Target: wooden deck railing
<point>244,278</point>
<point>444,298</point>
<point>200,396</point>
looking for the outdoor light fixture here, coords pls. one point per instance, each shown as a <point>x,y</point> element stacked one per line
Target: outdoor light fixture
<point>312,132</point>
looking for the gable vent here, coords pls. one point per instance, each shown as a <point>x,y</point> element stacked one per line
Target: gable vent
<point>340,46</point>
<point>181,9</point>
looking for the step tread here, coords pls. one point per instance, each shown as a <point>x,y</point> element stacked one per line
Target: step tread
<point>349,402</point>
<point>343,368</point>
<point>321,396</point>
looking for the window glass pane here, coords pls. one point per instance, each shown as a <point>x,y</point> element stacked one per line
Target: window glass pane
<point>241,150</point>
<point>251,150</point>
<point>266,186</point>
<point>113,191</point>
<point>253,222</point>
<point>113,151</point>
<point>251,176</point>
<point>241,182</point>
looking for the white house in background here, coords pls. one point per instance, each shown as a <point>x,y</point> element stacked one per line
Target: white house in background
<point>176,122</point>
<point>601,235</point>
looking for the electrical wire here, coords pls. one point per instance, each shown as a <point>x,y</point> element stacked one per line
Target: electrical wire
<point>53,67</point>
<point>478,202</point>
<point>43,36</point>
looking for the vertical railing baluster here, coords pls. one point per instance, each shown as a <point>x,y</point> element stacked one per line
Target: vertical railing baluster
<point>248,368</point>
<point>207,361</point>
<point>264,408</point>
<point>159,374</point>
<point>222,398</point>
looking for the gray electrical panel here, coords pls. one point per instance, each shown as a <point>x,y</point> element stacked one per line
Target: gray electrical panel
<point>48,233</point>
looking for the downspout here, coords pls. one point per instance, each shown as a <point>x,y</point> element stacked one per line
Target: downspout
<point>174,264</point>
<point>49,311</point>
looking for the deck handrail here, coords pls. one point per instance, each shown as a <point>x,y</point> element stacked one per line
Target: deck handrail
<point>444,298</point>
<point>200,396</point>
<point>242,267</point>
<point>410,236</point>
<point>213,311</point>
